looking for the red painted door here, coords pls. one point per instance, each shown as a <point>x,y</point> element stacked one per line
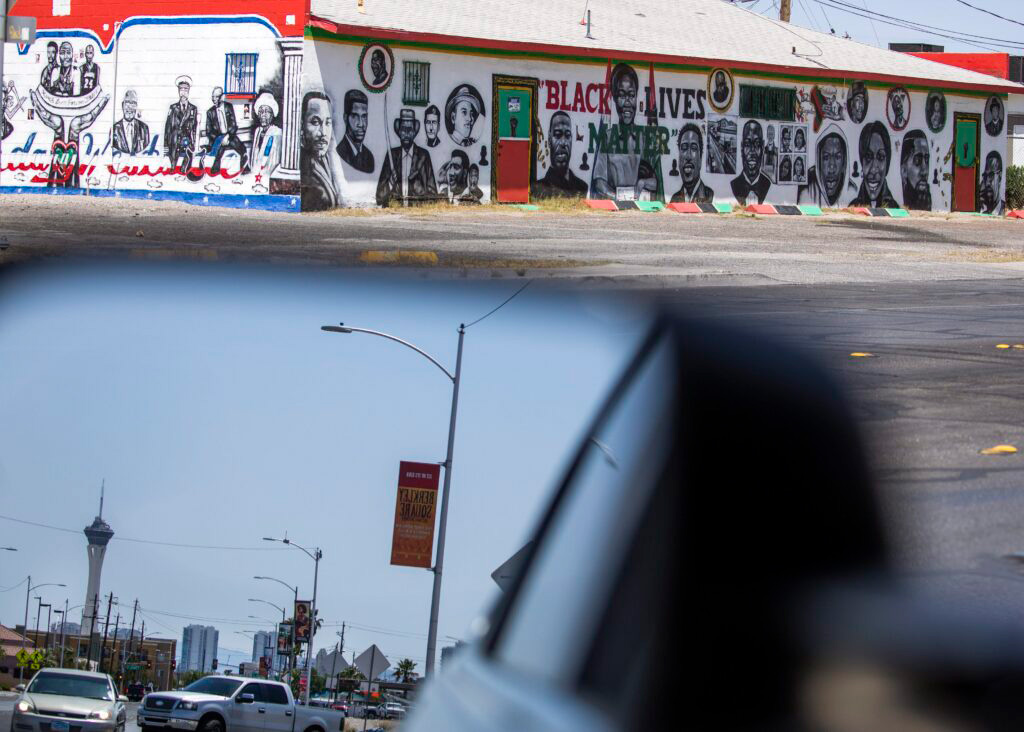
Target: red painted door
<point>515,113</point>
<point>965,164</point>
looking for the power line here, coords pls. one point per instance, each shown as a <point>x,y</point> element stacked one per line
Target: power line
<point>510,299</point>
<point>14,587</point>
<point>967,38</point>
<point>989,12</point>
<point>148,541</point>
<point>873,28</point>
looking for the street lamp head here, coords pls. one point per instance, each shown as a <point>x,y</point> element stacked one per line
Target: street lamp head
<point>10,549</point>
<point>269,538</point>
<point>336,328</point>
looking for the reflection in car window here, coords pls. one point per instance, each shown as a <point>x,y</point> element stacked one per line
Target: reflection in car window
<point>71,685</point>
<point>273,694</point>
<point>255,689</point>
<point>215,685</point>
<point>567,581</point>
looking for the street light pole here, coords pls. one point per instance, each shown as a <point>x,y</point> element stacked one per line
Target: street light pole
<point>315,556</point>
<point>295,594</point>
<point>438,569</point>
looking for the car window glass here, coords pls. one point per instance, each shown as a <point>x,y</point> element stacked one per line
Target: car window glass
<point>89,687</point>
<point>560,597</point>
<point>253,689</point>
<point>273,694</point>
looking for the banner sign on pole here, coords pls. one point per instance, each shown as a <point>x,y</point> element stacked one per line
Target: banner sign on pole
<point>19,29</point>
<point>412,543</point>
<point>302,621</point>
<point>284,639</point>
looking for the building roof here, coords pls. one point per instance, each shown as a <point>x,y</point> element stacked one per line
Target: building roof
<point>701,32</point>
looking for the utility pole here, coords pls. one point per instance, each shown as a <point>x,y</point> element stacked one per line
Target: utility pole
<point>113,646</point>
<point>334,662</point>
<point>106,627</point>
<point>131,633</point>
<point>92,626</point>
<point>63,624</point>
<point>785,9</point>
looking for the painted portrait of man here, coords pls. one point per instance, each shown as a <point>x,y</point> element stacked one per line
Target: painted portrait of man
<point>857,102</point>
<point>875,158</point>
<point>559,179</point>
<point>407,175</point>
<point>222,131</point>
<point>46,79</point>
<point>827,178</point>
<point>64,82</point>
<point>462,110</point>
<point>935,110</point>
<point>620,169</point>
<point>89,72</point>
<point>432,125</point>
<point>181,127</point>
<point>915,162</point>
<point>751,179</point>
<point>721,92</point>
<point>992,185</point>
<point>320,170</point>
<point>690,144</point>
<point>995,116</point>
<point>352,147</point>
<point>378,67</point>
<point>130,134</point>
<point>455,176</point>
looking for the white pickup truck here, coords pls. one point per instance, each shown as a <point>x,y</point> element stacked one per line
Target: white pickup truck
<point>233,704</point>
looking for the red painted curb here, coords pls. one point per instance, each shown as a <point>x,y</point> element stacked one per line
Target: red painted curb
<point>602,205</point>
<point>687,208</point>
<point>761,208</point>
<point>862,211</point>
<point>1016,214</point>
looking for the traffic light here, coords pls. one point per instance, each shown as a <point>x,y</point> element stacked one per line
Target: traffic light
<point>174,664</point>
<point>215,664</point>
<point>149,664</point>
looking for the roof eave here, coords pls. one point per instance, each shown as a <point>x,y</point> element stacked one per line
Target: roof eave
<point>348,29</point>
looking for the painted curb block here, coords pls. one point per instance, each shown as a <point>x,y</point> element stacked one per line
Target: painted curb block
<point>526,207</point>
<point>602,205</point>
<point>1016,214</point>
<point>696,208</point>
<point>789,211</point>
<point>723,207</point>
<point>898,213</point>
<point>862,211</point>
<point>761,208</point>
<point>262,202</point>
<point>650,206</point>
<point>811,210</point>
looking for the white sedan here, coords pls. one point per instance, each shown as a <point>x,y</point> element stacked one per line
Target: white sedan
<point>65,700</point>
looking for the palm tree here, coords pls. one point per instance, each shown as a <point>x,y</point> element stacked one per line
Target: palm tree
<point>404,670</point>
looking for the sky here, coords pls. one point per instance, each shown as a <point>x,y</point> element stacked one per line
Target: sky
<point>948,14</point>
<point>217,413</point>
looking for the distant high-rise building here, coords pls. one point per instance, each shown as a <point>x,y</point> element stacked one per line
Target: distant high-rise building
<point>68,627</point>
<point>198,648</point>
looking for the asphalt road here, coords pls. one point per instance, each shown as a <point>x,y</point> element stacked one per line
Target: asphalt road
<point>628,248</point>
<point>935,392</point>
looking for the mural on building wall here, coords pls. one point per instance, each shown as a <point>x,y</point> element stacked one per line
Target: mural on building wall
<point>321,173</point>
<point>629,132</point>
<point>995,116</point>
<point>992,185</point>
<point>71,132</point>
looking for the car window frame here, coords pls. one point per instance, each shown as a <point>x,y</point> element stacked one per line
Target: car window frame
<point>264,686</point>
<point>501,612</point>
<point>257,696</point>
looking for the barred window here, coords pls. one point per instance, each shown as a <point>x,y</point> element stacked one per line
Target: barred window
<point>767,102</point>
<point>417,83</point>
<point>240,75</point>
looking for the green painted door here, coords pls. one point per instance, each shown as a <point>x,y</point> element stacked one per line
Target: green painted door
<point>965,163</point>
<point>514,113</point>
<point>966,142</point>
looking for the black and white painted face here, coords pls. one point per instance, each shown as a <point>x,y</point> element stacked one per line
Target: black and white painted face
<point>463,118</point>
<point>266,116</point>
<point>787,137</point>
<point>858,108</point>
<point>799,141</point>
<point>474,178</point>
<point>689,156</point>
<point>456,172</point>
<point>915,170</point>
<point>995,113</point>
<point>753,148</point>
<point>130,109</point>
<point>66,55</point>
<point>625,100</point>
<point>407,129</point>
<point>183,90</point>
<point>832,166</point>
<point>216,94</point>
<point>876,165</point>
<point>89,54</point>
<point>356,121</point>
<point>431,125</point>
<point>51,55</point>
<point>561,141</point>
<point>935,114</point>
<point>991,182</point>
<point>318,126</point>
<point>798,169</point>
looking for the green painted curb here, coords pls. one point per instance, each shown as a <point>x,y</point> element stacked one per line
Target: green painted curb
<point>811,210</point>
<point>978,213</point>
<point>526,207</point>
<point>650,206</point>
<point>898,213</point>
<point>723,207</point>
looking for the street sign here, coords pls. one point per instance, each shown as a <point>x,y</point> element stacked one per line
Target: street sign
<point>506,574</point>
<point>133,666</point>
<point>412,542</point>
<point>372,663</point>
<point>20,29</point>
